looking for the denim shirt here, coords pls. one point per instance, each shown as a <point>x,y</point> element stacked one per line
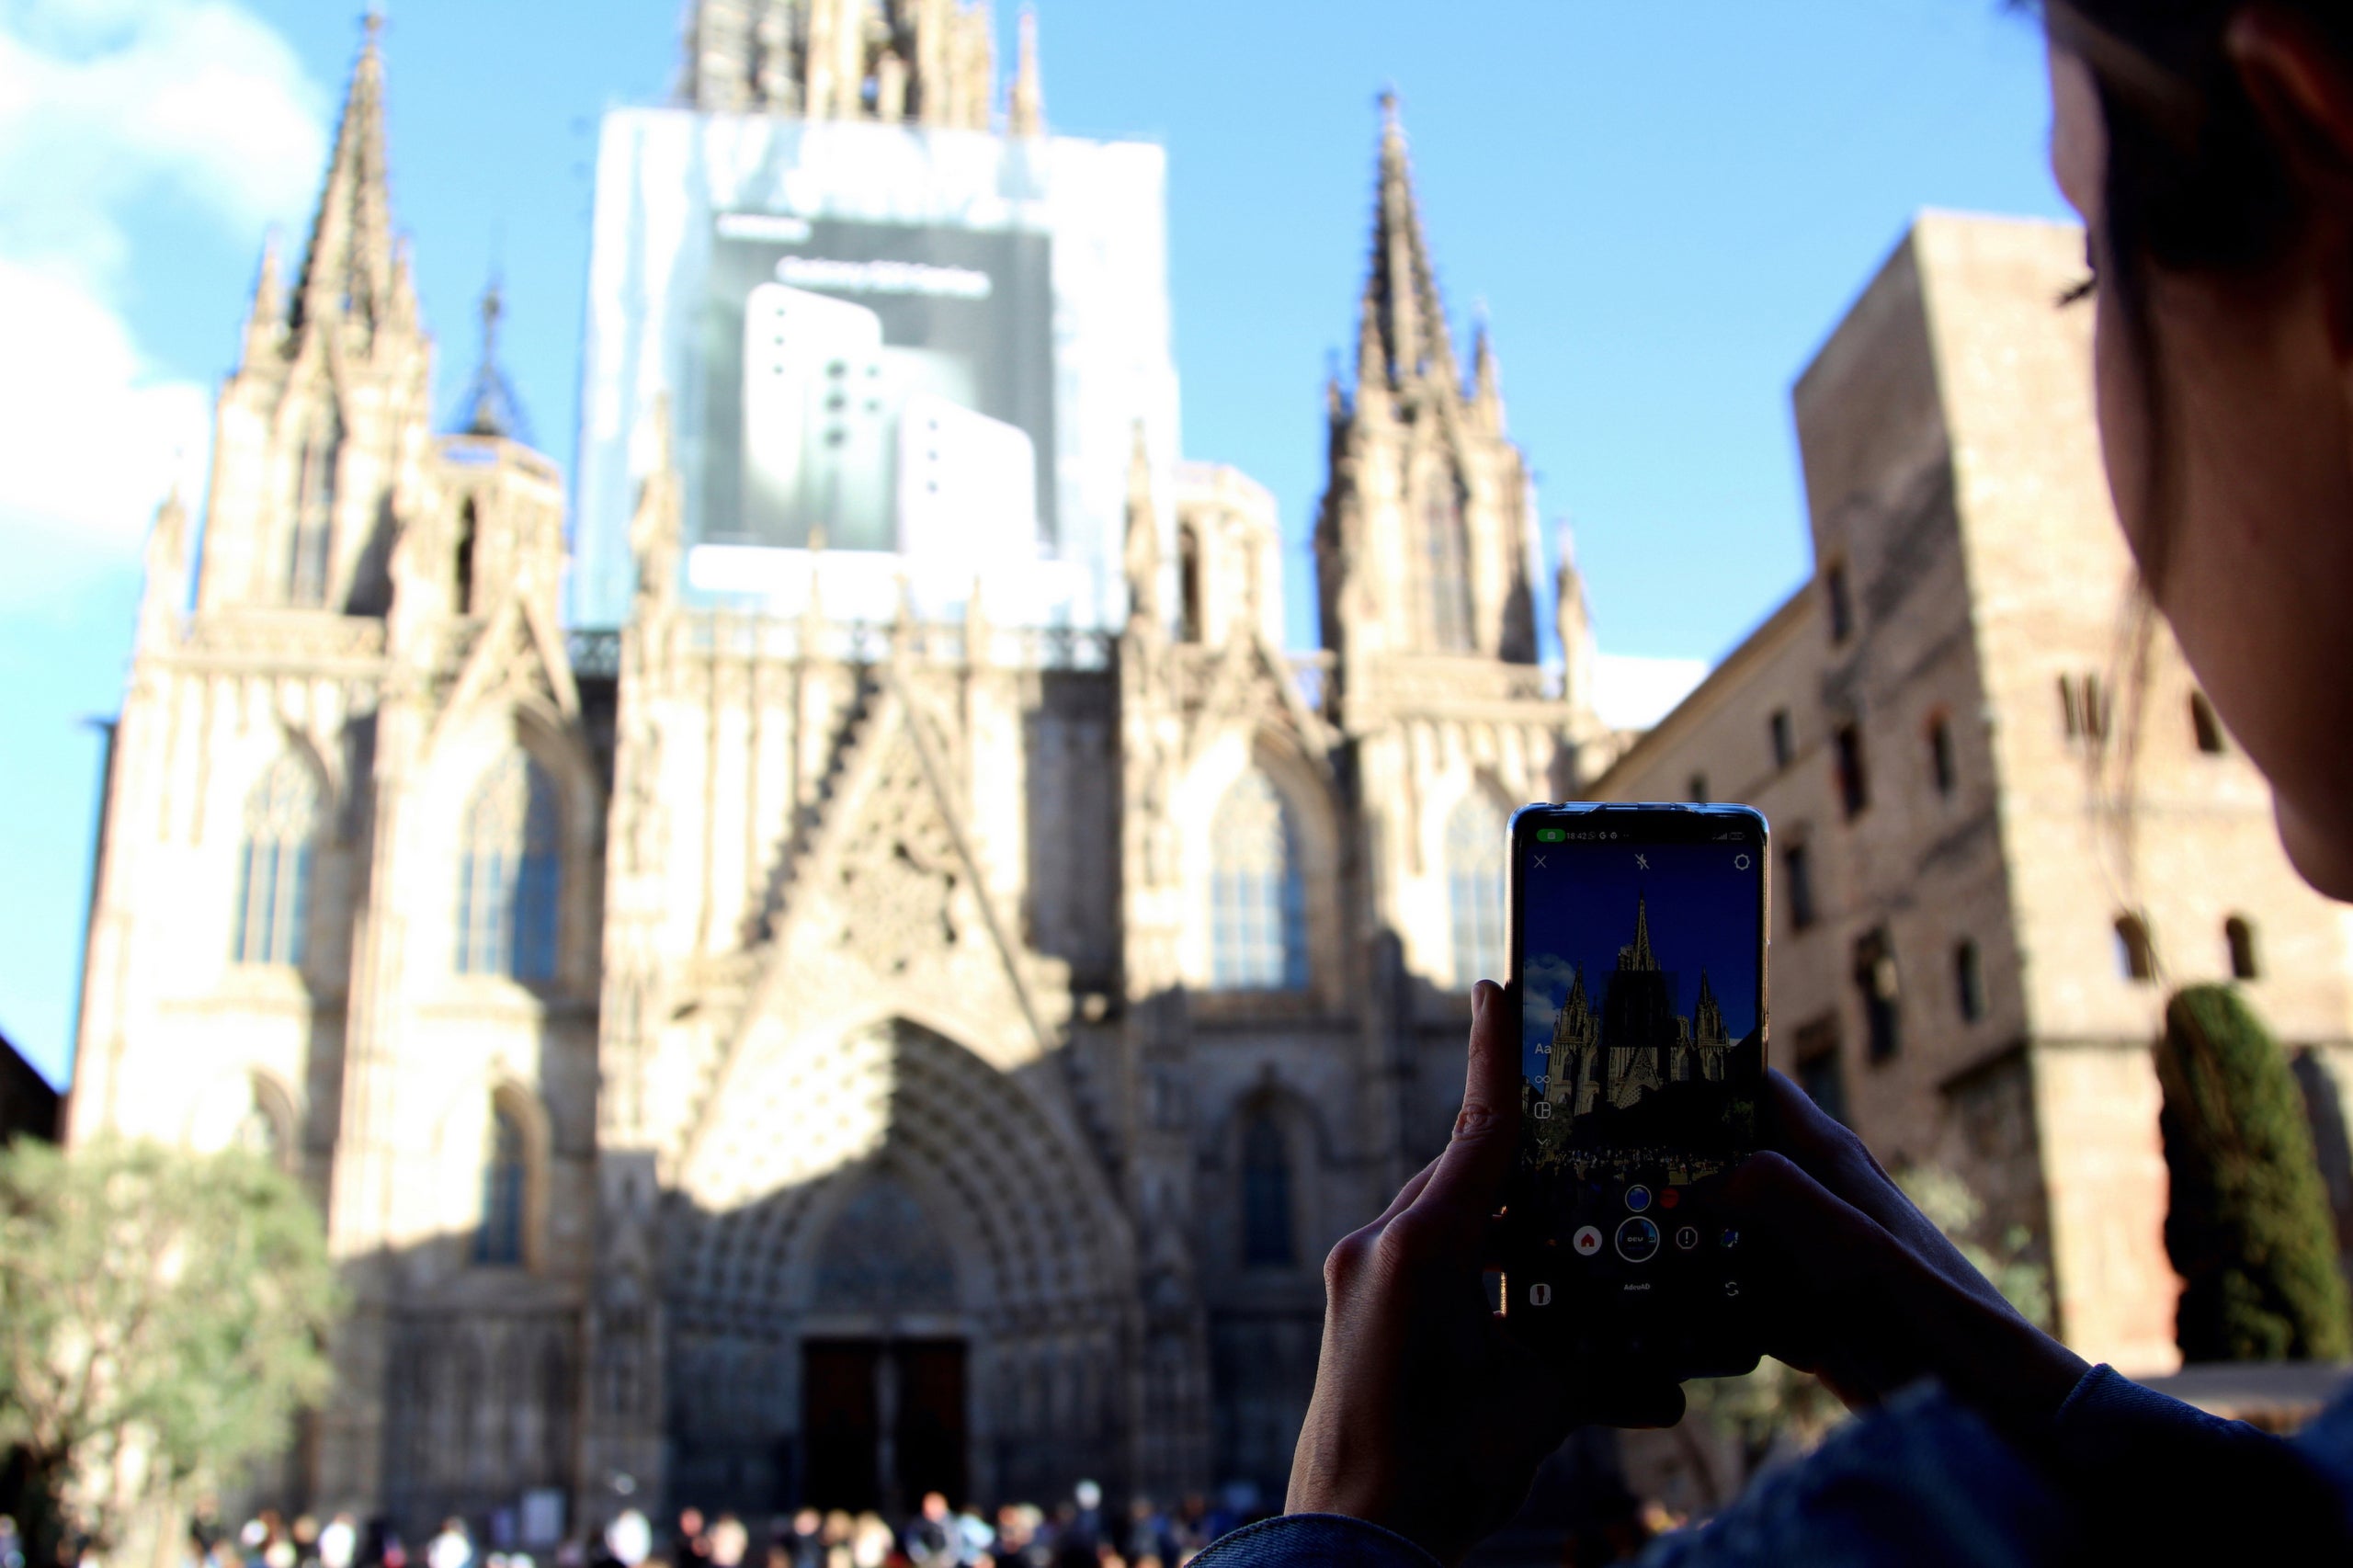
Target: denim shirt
<point>2124,1474</point>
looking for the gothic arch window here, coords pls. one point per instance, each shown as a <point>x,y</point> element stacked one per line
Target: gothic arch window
<point>1189,584</point>
<point>469,529</point>
<point>310,551</point>
<point>1267,1228</point>
<point>274,864</point>
<point>1446,544</point>
<point>509,873</point>
<point>1257,898</point>
<point>2238,935</point>
<point>505,1188</point>
<point>1475,885</point>
<point>2136,955</point>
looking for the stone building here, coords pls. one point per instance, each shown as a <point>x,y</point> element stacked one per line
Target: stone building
<point>745,1059</point>
<point>1969,965</point>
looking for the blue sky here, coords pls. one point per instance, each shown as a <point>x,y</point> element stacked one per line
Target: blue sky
<point>1661,210</point>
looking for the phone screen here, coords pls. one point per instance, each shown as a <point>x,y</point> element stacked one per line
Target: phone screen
<point>1639,962</point>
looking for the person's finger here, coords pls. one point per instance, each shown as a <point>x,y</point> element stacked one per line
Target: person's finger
<point>1842,1163</point>
<point>1406,1194</point>
<point>1850,1294</point>
<point>1467,1183</point>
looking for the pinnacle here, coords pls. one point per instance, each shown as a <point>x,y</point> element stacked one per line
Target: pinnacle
<point>347,272</point>
<point>1403,332</point>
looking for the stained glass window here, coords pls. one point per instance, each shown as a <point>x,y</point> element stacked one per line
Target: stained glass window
<point>1257,902</point>
<point>1474,874</point>
<point>1448,548</point>
<point>274,864</point>
<point>509,874</point>
<point>314,491</point>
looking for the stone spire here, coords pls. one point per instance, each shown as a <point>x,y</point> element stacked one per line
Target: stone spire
<point>491,405</point>
<point>1639,956</point>
<point>1403,336</point>
<point>266,325</point>
<point>1486,379</point>
<point>166,591</point>
<point>1025,113</point>
<point>348,271</point>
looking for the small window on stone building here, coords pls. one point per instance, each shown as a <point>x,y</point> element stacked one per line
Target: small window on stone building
<point>1784,742</point>
<point>274,864</point>
<point>1698,788</point>
<point>2070,708</point>
<point>509,874</point>
<point>1842,608</point>
<point>2238,935</point>
<point>1854,785</point>
<point>2136,958</point>
<point>1969,981</point>
<point>465,564</point>
<point>498,1237</point>
<point>1796,870</point>
<point>1820,1073</point>
<point>2095,709</point>
<point>1941,768</point>
<point>1257,897</point>
<point>1876,984</point>
<point>1266,1241</point>
<point>2205,725</point>
<point>1189,584</point>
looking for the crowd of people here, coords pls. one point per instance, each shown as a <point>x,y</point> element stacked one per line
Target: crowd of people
<point>1078,1533</point>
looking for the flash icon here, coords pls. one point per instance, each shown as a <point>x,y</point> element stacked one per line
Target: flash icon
<point>1641,862</point>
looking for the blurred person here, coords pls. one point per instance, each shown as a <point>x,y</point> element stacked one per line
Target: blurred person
<point>870,1542</point>
<point>451,1547</point>
<point>305,1535</point>
<point>974,1538</point>
<point>932,1540</point>
<point>2208,145</point>
<point>629,1537</point>
<point>12,1545</point>
<point>807,1539</point>
<point>839,1527</point>
<point>339,1542</point>
<point>728,1541</point>
<point>691,1547</point>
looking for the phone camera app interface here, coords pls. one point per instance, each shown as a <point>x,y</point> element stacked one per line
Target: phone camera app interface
<point>1642,1042</point>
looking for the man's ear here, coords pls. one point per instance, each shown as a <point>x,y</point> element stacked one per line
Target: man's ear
<point>2302,86</point>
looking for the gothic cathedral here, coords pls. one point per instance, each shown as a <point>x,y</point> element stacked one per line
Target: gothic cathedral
<point>745,1059</point>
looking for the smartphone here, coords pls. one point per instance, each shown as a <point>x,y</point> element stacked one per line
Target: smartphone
<point>1638,949</point>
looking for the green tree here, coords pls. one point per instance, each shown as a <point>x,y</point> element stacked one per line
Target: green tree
<point>2249,1228</point>
<point>161,1319</point>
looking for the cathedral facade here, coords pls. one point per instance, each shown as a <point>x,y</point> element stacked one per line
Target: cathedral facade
<point>745,1060</point>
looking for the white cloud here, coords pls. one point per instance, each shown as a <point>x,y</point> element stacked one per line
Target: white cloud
<point>1632,692</point>
<point>105,104</point>
<point>108,111</point>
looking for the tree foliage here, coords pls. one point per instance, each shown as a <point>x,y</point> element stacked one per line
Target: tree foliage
<point>2249,1228</point>
<point>160,1320</point>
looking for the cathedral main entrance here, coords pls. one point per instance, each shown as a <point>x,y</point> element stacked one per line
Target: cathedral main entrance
<point>884,1421</point>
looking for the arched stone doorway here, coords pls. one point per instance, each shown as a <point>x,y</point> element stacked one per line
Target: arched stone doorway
<point>890,1267</point>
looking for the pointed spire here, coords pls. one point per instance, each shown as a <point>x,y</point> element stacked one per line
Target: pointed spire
<point>1404,336</point>
<point>1143,557</point>
<point>491,405</point>
<point>348,270</point>
<point>165,594</point>
<point>1024,112</point>
<point>265,326</point>
<point>1486,378</point>
<point>1640,956</point>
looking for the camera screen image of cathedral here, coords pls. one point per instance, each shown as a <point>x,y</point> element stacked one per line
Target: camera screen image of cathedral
<point>1641,1003</point>
<point>877,387</point>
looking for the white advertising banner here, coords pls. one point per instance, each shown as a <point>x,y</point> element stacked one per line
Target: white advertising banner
<point>898,360</point>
